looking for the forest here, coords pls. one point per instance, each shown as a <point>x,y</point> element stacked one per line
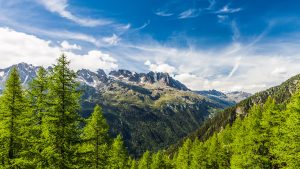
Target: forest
<point>42,127</point>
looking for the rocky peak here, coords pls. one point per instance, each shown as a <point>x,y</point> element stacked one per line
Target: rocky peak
<point>90,78</point>
<point>27,73</point>
<point>162,79</point>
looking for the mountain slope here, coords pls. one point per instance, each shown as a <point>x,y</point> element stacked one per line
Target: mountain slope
<point>151,110</point>
<point>281,93</point>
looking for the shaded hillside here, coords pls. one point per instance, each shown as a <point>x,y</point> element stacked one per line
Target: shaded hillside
<point>281,93</point>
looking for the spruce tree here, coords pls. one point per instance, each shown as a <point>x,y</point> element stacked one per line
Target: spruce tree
<point>118,155</point>
<point>288,136</point>
<point>183,160</point>
<point>62,123</point>
<point>198,153</point>
<point>13,106</point>
<point>133,165</point>
<point>158,161</point>
<point>38,108</point>
<point>145,161</point>
<point>95,141</point>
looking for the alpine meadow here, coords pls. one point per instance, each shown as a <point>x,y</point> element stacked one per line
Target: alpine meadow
<point>114,84</point>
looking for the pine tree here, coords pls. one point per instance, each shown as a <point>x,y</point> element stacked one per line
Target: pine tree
<point>157,161</point>
<point>38,108</point>
<point>62,134</point>
<point>133,165</point>
<point>118,155</point>
<point>13,105</point>
<point>252,143</point>
<point>288,136</point>
<point>145,161</point>
<point>198,154</point>
<point>95,141</point>
<point>183,160</point>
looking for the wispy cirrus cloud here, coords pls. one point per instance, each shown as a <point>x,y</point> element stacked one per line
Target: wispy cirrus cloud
<point>61,8</point>
<point>212,4</point>
<point>163,13</point>
<point>227,10</point>
<point>190,13</point>
<point>112,40</point>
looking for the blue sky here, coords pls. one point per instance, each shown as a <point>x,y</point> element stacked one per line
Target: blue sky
<point>206,44</point>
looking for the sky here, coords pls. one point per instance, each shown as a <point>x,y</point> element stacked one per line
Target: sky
<point>228,45</point>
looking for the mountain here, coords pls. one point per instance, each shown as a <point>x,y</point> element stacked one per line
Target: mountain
<point>151,78</point>
<point>227,98</point>
<point>151,110</point>
<point>281,93</point>
<point>238,96</point>
<point>27,73</point>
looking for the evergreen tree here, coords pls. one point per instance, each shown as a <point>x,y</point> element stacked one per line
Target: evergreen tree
<point>95,141</point>
<point>118,155</point>
<point>145,161</point>
<point>33,130</point>
<point>13,107</point>
<point>184,157</point>
<point>62,134</point>
<point>198,153</point>
<point>288,136</point>
<point>157,161</point>
<point>133,165</point>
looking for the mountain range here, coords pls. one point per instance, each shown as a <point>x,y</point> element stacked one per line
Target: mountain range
<point>152,110</point>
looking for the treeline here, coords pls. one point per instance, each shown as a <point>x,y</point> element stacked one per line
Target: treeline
<point>268,137</point>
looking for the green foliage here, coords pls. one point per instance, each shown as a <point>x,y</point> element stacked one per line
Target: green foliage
<point>183,160</point>
<point>145,161</point>
<point>62,134</point>
<point>12,121</point>
<point>95,141</point>
<point>118,155</point>
<point>37,95</point>
<point>267,137</point>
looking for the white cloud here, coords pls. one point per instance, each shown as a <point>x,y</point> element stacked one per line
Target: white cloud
<point>161,67</point>
<point>249,67</point>
<point>67,46</point>
<point>163,13</point>
<point>227,10</point>
<point>93,61</point>
<point>112,40</point>
<point>190,13</point>
<point>16,47</point>
<point>279,71</point>
<point>60,7</point>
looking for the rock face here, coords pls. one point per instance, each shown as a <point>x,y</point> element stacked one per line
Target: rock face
<point>27,73</point>
<point>151,110</point>
<point>152,78</point>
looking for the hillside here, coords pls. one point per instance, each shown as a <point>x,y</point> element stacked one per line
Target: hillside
<point>151,110</point>
<point>281,94</point>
